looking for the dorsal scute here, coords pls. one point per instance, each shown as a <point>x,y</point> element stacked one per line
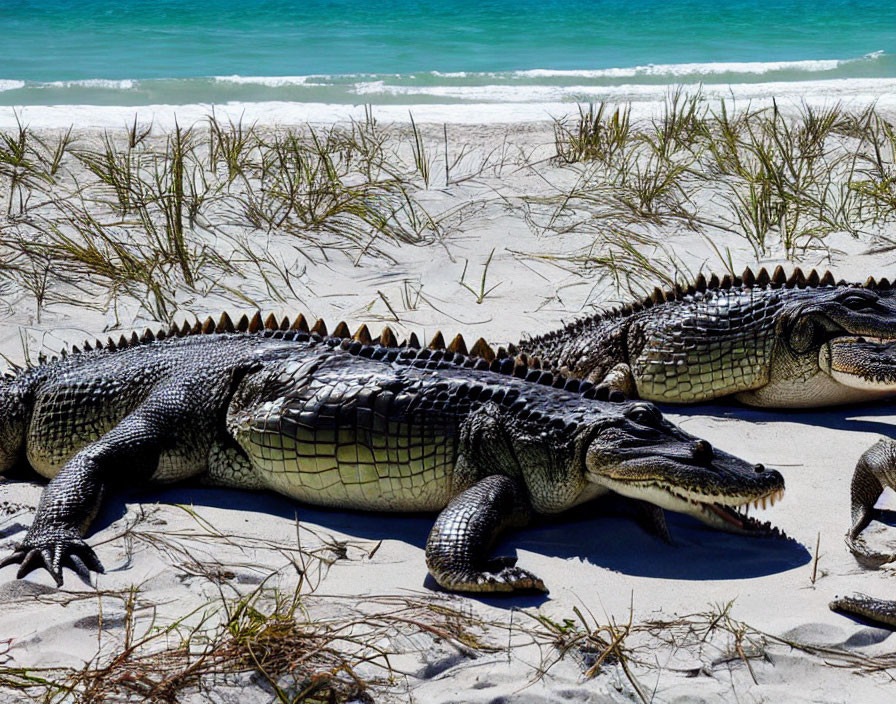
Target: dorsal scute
<point>437,342</point>
<point>387,338</point>
<point>342,330</point>
<point>300,324</point>
<point>362,335</point>
<point>458,345</point>
<point>481,349</point>
<point>225,324</point>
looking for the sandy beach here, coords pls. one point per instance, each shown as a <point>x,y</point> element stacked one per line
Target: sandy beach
<point>483,230</point>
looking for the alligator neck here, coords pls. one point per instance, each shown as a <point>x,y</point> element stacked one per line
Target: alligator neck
<point>586,349</point>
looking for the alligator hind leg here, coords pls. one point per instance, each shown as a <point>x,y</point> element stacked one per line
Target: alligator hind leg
<point>457,549</point>
<point>875,470</point>
<point>618,384</point>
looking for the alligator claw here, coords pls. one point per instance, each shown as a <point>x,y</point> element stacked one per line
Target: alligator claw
<point>69,552</point>
<point>868,558</point>
<point>512,579</point>
<point>500,574</point>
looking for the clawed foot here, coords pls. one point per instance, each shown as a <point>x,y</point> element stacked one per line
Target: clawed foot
<point>500,574</point>
<point>53,554</point>
<point>617,385</point>
<point>859,548</point>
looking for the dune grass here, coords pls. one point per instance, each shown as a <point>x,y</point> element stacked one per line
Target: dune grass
<point>786,182</point>
<point>166,219</point>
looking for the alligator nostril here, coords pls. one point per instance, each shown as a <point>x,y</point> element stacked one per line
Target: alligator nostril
<point>759,468</point>
<point>703,450</point>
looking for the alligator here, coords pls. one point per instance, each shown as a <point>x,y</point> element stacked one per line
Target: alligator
<point>766,339</point>
<point>875,471</point>
<point>350,423</point>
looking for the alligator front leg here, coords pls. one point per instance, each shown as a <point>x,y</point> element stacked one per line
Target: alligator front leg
<point>458,545</point>
<point>878,610</point>
<point>874,470</point>
<point>72,498</point>
<point>618,384</point>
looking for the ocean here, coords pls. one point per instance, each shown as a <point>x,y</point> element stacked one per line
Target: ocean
<point>400,52</point>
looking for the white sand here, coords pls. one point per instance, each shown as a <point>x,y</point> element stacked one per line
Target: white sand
<point>605,565</point>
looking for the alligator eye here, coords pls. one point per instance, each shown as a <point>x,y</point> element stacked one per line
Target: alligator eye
<point>856,302</point>
<point>643,415</point>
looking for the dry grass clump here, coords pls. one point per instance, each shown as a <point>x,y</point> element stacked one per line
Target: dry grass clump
<point>712,640</point>
<point>784,182</point>
<point>165,219</point>
<point>282,635</point>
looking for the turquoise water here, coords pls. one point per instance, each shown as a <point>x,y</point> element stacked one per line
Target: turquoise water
<point>135,52</point>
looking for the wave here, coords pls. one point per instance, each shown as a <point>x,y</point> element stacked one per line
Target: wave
<point>705,69</point>
<point>646,102</point>
<point>105,83</point>
<point>272,81</point>
<point>525,85</point>
<point>10,85</point>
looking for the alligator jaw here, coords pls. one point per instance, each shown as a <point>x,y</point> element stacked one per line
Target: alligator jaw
<point>720,512</point>
<point>735,521</point>
<point>866,363</point>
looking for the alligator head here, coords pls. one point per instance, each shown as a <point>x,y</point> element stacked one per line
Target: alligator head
<point>828,349</point>
<point>643,456</point>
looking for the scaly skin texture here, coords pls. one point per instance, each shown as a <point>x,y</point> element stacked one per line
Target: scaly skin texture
<point>339,423</point>
<point>880,611</point>
<point>768,341</point>
<point>875,471</point>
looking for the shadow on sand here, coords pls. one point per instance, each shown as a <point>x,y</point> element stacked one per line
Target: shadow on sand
<point>877,417</point>
<point>600,533</point>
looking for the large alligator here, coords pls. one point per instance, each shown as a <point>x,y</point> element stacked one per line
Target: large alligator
<point>768,340</point>
<point>337,422</point>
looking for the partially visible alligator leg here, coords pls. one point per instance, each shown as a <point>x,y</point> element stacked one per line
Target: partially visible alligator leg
<point>652,519</point>
<point>877,610</point>
<point>617,385</point>
<point>72,498</point>
<point>456,552</point>
<point>874,470</point>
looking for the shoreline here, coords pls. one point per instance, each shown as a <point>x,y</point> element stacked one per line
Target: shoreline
<point>646,101</point>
